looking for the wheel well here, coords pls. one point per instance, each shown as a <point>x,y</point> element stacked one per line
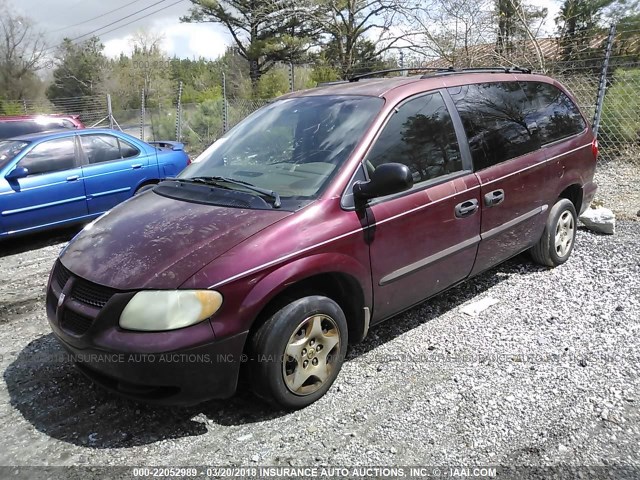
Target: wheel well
<point>148,182</point>
<point>573,193</point>
<point>341,288</point>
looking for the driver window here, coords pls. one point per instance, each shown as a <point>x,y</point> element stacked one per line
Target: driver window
<point>421,135</point>
<point>51,156</point>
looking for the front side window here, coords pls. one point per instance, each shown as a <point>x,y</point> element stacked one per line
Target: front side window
<point>291,146</point>
<point>495,120</point>
<point>555,115</point>
<point>100,148</point>
<point>9,149</point>
<point>421,135</point>
<point>52,156</point>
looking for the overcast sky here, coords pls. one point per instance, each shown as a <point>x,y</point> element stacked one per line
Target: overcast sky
<point>72,18</point>
<point>56,18</point>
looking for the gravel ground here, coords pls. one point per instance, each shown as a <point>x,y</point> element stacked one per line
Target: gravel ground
<point>619,187</point>
<point>549,375</point>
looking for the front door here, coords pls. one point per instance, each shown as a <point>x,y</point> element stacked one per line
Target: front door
<point>51,194</point>
<point>113,170</point>
<point>424,240</point>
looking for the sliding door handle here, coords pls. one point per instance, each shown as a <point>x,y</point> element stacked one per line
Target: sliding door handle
<point>494,198</point>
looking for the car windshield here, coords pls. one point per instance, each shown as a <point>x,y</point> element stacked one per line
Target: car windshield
<point>291,147</point>
<point>9,149</point>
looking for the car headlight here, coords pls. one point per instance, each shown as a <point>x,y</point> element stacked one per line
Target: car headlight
<point>156,310</point>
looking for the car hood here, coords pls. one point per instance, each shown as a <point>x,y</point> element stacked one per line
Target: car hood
<point>157,242</point>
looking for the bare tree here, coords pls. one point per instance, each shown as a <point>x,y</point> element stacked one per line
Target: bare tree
<point>348,24</point>
<point>22,52</point>
<point>451,30</point>
<point>466,33</point>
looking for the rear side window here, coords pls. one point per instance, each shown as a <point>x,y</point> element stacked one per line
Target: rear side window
<point>553,112</point>
<point>100,148</point>
<point>127,149</point>
<point>421,135</point>
<point>494,116</point>
<point>51,156</point>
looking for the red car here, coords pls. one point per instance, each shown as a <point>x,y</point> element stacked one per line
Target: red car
<point>14,126</point>
<point>317,217</point>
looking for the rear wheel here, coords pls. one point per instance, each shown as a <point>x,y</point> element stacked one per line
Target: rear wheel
<point>296,355</point>
<point>558,238</point>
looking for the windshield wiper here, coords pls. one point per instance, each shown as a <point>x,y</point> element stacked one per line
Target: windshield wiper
<point>216,181</point>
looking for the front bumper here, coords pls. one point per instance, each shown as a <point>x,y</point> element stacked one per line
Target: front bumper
<point>180,367</point>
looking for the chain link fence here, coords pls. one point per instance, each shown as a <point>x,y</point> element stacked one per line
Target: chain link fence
<point>199,125</point>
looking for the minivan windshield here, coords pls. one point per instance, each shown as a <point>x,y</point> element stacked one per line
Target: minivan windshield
<point>9,149</point>
<point>291,147</point>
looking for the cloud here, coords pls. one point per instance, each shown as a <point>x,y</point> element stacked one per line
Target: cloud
<point>184,40</point>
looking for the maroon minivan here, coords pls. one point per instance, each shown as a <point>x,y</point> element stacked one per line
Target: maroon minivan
<point>321,214</point>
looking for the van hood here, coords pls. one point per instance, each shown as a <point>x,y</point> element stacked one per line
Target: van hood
<point>152,241</point>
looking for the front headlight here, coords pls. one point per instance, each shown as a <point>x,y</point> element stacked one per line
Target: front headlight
<point>169,309</point>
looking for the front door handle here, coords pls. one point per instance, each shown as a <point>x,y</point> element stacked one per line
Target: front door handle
<point>73,178</point>
<point>135,166</point>
<point>494,198</point>
<point>466,208</point>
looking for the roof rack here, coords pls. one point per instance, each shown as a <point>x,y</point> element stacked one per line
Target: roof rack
<point>393,70</point>
<point>436,70</point>
<point>514,69</point>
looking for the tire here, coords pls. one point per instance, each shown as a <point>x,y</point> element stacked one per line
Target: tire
<point>559,235</point>
<point>285,364</point>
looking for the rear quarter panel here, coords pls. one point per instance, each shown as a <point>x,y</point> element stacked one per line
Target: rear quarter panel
<point>170,162</point>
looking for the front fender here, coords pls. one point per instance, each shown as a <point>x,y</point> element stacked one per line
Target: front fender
<point>263,288</point>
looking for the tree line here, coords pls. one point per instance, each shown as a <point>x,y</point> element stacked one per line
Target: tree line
<point>324,40</point>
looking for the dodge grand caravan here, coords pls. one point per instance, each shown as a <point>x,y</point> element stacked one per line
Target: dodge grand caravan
<point>320,215</point>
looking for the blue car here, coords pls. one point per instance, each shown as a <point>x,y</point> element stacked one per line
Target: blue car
<point>54,179</point>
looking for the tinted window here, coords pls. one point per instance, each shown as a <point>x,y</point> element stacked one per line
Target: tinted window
<point>494,116</point>
<point>24,127</point>
<point>51,156</point>
<point>127,149</point>
<point>421,135</point>
<point>554,113</point>
<point>15,129</point>
<point>100,148</point>
<point>9,149</point>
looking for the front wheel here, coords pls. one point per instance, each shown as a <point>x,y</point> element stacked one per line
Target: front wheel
<point>559,235</point>
<point>297,353</point>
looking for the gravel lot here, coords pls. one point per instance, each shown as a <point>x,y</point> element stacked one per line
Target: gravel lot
<point>547,376</point>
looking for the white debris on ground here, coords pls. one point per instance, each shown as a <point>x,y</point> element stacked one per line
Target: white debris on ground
<point>600,220</point>
<point>475,308</point>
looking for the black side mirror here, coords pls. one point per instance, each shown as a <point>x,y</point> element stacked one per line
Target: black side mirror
<point>388,178</point>
<point>16,173</point>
